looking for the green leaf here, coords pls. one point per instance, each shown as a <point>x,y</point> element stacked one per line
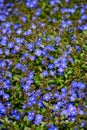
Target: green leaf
<point>85,31</point>
<point>45,103</point>
<point>66,75</point>
<point>51,81</point>
<point>70,72</point>
<point>43,124</point>
<point>16,77</point>
<point>40,69</point>
<point>27,128</point>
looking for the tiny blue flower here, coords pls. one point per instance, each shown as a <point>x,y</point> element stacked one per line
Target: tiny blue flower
<point>51,66</point>
<point>31,115</point>
<point>45,73</point>
<point>38,52</point>
<point>46,97</point>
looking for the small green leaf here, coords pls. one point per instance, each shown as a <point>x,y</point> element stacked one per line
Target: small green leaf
<point>27,128</point>
<point>85,31</point>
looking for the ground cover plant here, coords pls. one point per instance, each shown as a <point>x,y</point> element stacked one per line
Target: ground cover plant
<point>43,65</point>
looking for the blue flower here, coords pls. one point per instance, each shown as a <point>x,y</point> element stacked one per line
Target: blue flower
<point>8,104</point>
<point>52,73</point>
<point>1,92</point>
<point>2,17</point>
<point>2,109</point>
<point>63,65</point>
<point>60,104</point>
<point>51,66</point>
<point>44,53</point>
<point>60,70</point>
<point>38,42</point>
<point>26,87</point>
<point>13,51</point>
<point>81,85</point>
<point>38,119</point>
<point>50,48</point>
<point>56,107</point>
<point>24,19</point>
<point>10,45</point>
<point>31,115</point>
<point>18,66</point>
<point>6,96</point>
<point>2,64</point>
<point>46,97</point>
<point>72,10</point>
<point>63,90</point>
<point>82,10</point>
<point>45,73</point>
<point>53,128</point>
<point>17,25</point>
<point>31,3</point>
<point>17,117</point>
<point>84,17</point>
<point>32,99</point>
<point>74,84</point>
<point>38,12</point>
<point>30,46</point>
<point>78,49</point>
<point>84,123</point>
<point>6,51</point>
<point>28,32</point>
<point>38,52</point>
<point>19,31</point>
<point>31,75</point>
<point>40,103</point>
<point>85,26</point>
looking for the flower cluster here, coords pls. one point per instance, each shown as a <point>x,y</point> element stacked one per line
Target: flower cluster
<point>43,80</point>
